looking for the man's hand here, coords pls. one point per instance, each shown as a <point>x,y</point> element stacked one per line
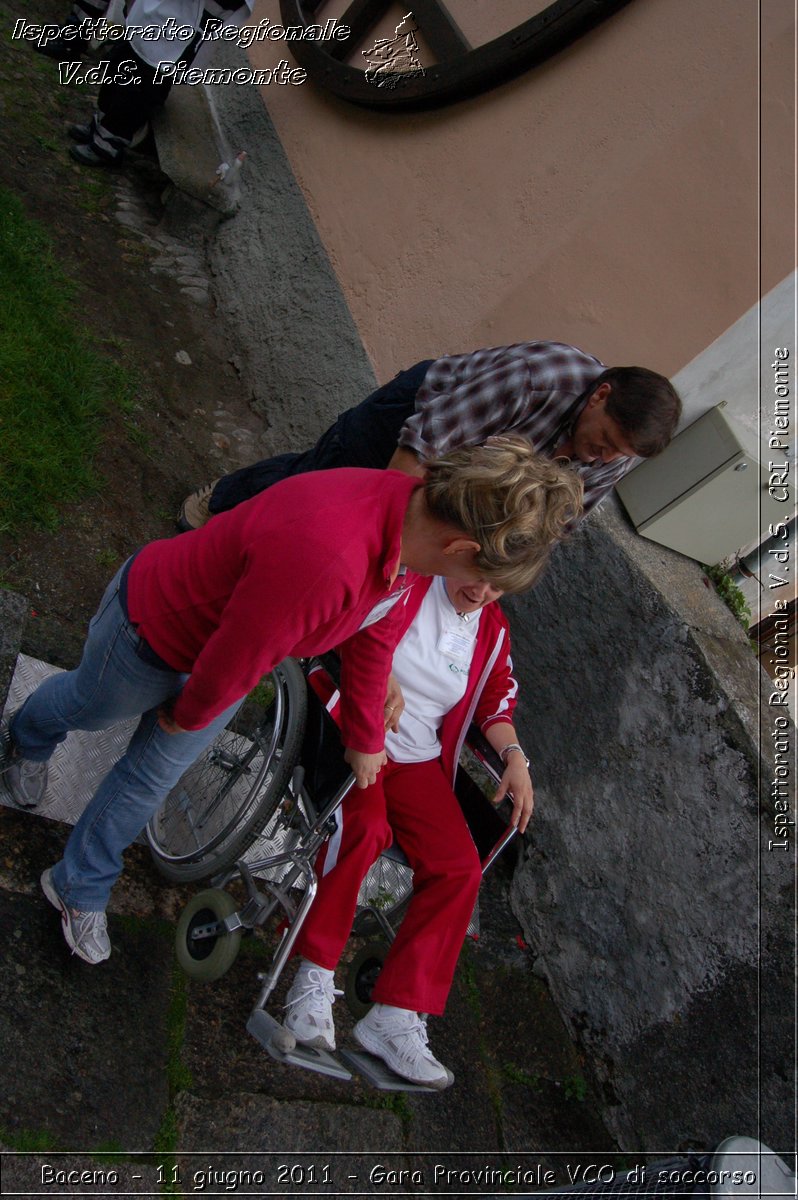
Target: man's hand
<point>365,767</point>
<point>517,781</point>
<point>167,722</point>
<point>394,704</point>
<point>407,461</point>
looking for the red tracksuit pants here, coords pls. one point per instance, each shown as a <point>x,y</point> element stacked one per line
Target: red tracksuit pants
<point>415,803</point>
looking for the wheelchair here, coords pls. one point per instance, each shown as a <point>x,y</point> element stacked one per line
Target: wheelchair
<point>257,807</point>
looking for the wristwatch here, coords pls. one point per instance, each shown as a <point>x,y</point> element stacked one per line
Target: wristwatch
<point>506,750</point>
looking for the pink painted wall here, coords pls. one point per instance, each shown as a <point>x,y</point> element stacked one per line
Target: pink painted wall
<point>608,197</point>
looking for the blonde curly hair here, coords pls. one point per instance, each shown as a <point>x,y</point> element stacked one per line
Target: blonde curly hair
<point>511,500</point>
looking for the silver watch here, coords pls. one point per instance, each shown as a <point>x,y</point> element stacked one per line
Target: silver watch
<point>512,746</point>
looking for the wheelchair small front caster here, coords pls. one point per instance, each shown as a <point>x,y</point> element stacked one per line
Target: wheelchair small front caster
<point>362,975</point>
<point>203,955</point>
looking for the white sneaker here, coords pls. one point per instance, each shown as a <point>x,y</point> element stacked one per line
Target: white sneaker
<point>309,1006</point>
<point>399,1037</point>
<point>25,780</point>
<point>85,932</point>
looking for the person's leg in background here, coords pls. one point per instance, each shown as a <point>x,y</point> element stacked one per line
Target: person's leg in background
<point>69,42</point>
<point>363,436</point>
<point>125,105</point>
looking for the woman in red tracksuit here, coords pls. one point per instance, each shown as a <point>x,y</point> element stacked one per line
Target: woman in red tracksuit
<point>453,666</point>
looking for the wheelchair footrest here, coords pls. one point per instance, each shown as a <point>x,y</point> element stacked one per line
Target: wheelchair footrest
<point>283,1047</point>
<point>379,1074</point>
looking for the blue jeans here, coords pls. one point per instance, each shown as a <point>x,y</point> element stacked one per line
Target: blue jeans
<point>112,683</point>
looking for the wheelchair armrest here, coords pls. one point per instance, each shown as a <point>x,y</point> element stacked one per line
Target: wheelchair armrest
<point>482,750</point>
<point>491,833</point>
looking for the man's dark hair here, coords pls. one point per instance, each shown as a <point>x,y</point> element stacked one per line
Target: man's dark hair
<point>645,405</point>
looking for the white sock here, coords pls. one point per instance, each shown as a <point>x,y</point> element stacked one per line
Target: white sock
<point>305,965</point>
<point>390,1010</point>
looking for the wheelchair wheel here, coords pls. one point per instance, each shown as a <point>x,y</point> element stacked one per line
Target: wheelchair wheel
<point>362,975</point>
<point>225,798</point>
<point>206,958</point>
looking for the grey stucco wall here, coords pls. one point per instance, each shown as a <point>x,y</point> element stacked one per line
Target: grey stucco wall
<point>301,354</point>
<point>646,888</point>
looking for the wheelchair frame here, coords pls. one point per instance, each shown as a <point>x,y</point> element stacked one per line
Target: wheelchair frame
<point>211,926</point>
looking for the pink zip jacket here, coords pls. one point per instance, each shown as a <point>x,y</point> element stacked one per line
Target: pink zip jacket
<point>294,571</point>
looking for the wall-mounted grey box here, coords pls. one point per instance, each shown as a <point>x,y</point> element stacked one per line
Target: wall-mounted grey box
<point>707,494</point>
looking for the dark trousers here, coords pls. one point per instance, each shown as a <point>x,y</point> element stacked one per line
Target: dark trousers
<point>364,436</point>
<point>130,96</point>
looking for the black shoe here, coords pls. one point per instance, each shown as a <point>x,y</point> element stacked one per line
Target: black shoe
<point>64,48</point>
<point>87,156</point>
<point>80,133</point>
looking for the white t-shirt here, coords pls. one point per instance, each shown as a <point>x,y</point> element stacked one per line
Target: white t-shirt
<point>432,663</point>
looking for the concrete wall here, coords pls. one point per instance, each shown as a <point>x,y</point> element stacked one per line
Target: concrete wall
<point>643,891</point>
<point>609,197</point>
<point>297,347</point>
<point>737,366</point>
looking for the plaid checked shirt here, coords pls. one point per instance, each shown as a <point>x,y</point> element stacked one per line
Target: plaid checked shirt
<point>534,389</point>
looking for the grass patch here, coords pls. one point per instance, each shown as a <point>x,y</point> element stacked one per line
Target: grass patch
<point>54,386</point>
<point>730,594</point>
<point>574,1086</point>
<point>94,193</point>
<point>517,1075</point>
<point>28,1140</point>
<point>177,1072</point>
<point>179,1079</point>
<point>395,1102</point>
<point>468,977</point>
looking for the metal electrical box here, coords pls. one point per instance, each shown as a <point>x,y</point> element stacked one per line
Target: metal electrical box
<point>707,494</point>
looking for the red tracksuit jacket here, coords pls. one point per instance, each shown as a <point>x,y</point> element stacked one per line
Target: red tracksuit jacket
<point>491,691</point>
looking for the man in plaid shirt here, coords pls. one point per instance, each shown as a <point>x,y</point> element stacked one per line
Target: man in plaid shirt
<point>565,402</point>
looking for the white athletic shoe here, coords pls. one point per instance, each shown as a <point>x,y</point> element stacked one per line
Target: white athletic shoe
<point>85,932</point>
<point>309,1006</point>
<point>399,1037</point>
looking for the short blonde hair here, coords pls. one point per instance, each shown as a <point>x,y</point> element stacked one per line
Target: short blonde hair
<point>511,500</point>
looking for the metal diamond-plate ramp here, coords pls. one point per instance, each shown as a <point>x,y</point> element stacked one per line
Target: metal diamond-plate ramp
<point>82,761</point>
<point>79,764</point>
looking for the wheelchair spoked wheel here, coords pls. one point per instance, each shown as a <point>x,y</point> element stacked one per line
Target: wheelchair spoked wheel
<point>223,801</point>
<point>362,975</point>
<point>206,958</point>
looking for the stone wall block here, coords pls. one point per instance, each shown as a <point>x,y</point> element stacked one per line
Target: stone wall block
<point>640,886</point>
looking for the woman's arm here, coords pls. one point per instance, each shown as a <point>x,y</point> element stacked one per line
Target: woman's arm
<point>516,778</point>
<point>365,767</point>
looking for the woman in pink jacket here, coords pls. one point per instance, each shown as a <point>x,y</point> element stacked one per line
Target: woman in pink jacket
<point>189,625</point>
<point>452,667</point>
